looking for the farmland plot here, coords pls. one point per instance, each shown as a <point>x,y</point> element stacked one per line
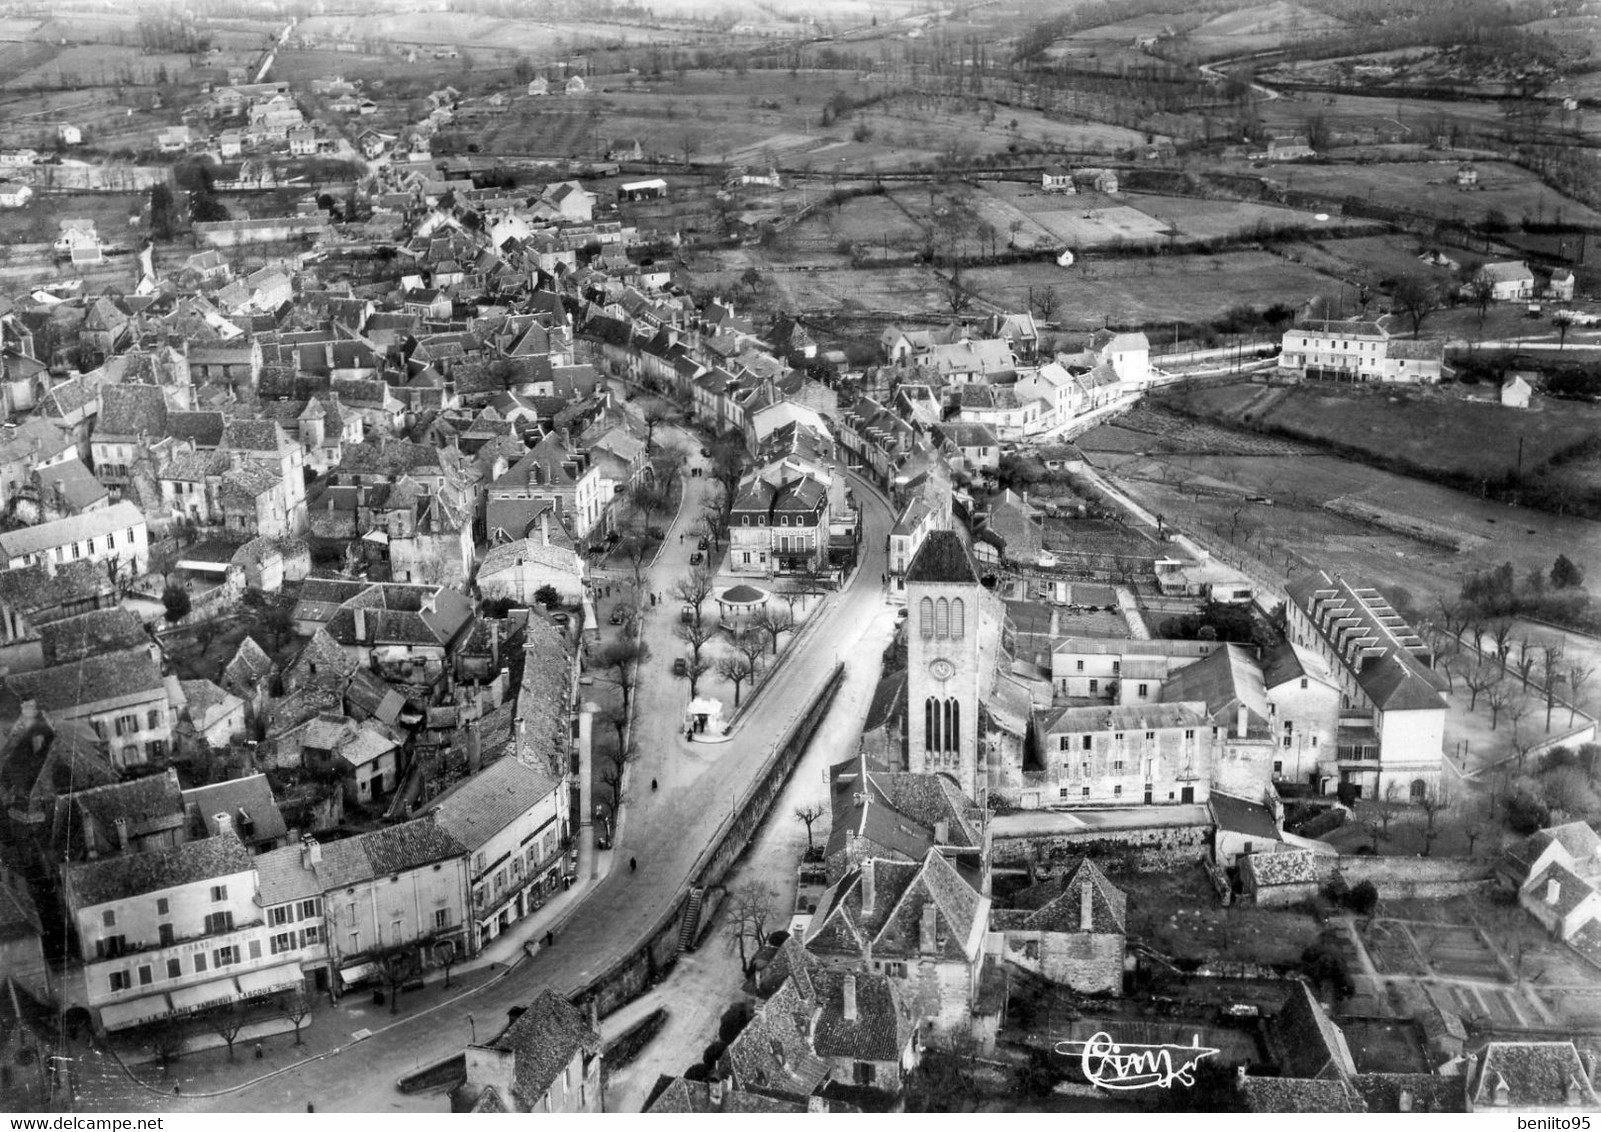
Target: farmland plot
<point>1153,290</point>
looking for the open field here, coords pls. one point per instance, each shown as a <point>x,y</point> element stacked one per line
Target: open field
<point>1153,290</point>
<point>538,39</point>
<point>1206,493</point>
<point>1431,187</point>
<point>1088,220</point>
<point>1259,28</point>
<point>1434,429</point>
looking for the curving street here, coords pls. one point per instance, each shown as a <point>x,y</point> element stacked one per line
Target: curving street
<point>664,830</point>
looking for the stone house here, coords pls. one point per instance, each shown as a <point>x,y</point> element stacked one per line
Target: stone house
<point>547,1061</point>
<point>1070,931</point>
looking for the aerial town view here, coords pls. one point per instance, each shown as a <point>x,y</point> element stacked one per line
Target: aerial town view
<point>857,556</point>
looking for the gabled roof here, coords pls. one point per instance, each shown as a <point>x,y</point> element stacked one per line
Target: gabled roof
<point>248,802</point>
<point>1534,1075</point>
<point>488,802</point>
<point>134,874</point>
<point>1058,906</point>
<point>1237,815</point>
<point>543,1041</point>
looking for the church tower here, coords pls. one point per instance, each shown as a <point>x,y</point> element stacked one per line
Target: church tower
<point>942,678</point>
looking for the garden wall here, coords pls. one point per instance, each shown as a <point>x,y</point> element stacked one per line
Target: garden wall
<point>1426,878</point>
<point>633,974</point>
<point>1133,850</point>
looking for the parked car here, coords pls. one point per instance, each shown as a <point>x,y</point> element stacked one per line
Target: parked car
<point>680,666</point>
<point>705,451</point>
<point>618,615</point>
<point>696,558</point>
<point>702,545</point>
<point>561,618</point>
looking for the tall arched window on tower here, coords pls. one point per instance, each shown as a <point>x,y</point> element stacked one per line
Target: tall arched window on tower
<point>931,721</point>
<point>925,617</point>
<point>958,617</point>
<point>953,729</point>
<point>942,618</point>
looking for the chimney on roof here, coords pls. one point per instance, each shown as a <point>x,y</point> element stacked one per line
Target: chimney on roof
<point>867,888</point>
<point>223,821</point>
<point>1403,1102</point>
<point>1242,721</point>
<point>1553,892</point>
<point>926,929</point>
<point>361,624</point>
<point>1086,905</point>
<point>942,832</point>
<point>120,823</point>
<point>848,990</point>
<point>544,527</point>
<point>715,1089</point>
<point>91,832</point>
<point>310,852</point>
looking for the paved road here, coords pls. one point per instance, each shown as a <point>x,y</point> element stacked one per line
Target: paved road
<point>663,830</point>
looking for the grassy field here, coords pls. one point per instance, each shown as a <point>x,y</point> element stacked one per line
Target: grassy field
<point>1431,187</point>
<point>1154,290</point>
<point>1436,429</point>
<point>1207,489</point>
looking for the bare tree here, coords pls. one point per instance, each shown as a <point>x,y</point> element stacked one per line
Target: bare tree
<point>1481,291</point>
<point>694,588</point>
<point>1528,655</point>
<point>617,716</point>
<point>445,954</point>
<point>295,1008</point>
<point>1497,696</point>
<point>1046,301</point>
<point>775,621</point>
<point>1473,831</point>
<point>750,907</point>
<point>1386,812</point>
<point>696,636</point>
<point>752,646</point>
<point>1578,676</point>
<point>396,965</point>
<point>165,1039</point>
<point>614,772</point>
<point>1501,633</point>
<point>1521,744</point>
<point>636,549</point>
<point>1480,679</point>
<point>736,669</point>
<point>226,1022</point>
<point>695,666</point>
<point>1435,799</point>
<point>1552,670</point>
<point>714,522</point>
<point>656,412</point>
<point>806,815</point>
<point>620,661</point>
<point>1417,297</point>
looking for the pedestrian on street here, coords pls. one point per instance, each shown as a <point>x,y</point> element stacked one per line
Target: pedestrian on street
<point>653,784</point>
<point>632,864</point>
<point>680,538</point>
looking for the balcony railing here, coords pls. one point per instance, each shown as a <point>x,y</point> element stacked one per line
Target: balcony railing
<point>1357,752</point>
